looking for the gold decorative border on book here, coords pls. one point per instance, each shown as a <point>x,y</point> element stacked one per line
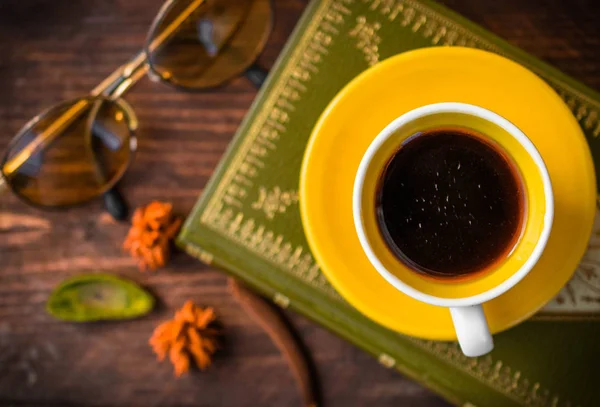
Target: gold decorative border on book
<point>222,212</point>
<point>271,121</point>
<point>495,374</point>
<point>270,246</point>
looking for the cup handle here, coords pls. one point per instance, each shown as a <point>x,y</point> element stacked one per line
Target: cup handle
<point>472,330</point>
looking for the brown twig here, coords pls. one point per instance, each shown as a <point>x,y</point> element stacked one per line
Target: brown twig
<point>279,331</point>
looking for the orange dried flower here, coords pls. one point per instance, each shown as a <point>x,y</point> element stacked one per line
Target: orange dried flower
<point>149,238</point>
<point>187,337</point>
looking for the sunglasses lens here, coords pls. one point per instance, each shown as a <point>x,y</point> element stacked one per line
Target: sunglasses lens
<point>199,44</point>
<point>71,153</point>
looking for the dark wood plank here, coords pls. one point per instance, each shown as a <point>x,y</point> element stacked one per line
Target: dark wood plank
<point>55,50</point>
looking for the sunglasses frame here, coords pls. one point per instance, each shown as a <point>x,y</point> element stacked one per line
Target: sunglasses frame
<point>113,87</point>
<point>110,89</point>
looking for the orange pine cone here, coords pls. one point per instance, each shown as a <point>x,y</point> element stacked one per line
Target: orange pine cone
<point>184,340</point>
<point>149,238</point>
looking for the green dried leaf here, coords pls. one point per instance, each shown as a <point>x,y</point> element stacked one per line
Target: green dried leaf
<point>98,297</point>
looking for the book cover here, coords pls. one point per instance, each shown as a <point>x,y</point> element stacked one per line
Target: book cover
<point>248,223</point>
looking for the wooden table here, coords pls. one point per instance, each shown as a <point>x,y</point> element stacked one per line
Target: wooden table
<point>56,50</point>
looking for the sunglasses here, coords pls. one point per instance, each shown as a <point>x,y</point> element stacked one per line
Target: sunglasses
<point>78,150</point>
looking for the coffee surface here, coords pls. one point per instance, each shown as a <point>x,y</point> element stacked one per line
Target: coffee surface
<point>450,204</point>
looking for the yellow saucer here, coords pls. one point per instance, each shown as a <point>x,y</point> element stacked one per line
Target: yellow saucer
<point>402,83</point>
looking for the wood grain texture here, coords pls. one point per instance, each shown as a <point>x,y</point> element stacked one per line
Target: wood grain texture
<point>56,50</point>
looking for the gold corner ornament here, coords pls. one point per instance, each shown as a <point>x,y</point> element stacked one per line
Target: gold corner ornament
<point>386,360</point>
<point>281,300</point>
<point>206,257</point>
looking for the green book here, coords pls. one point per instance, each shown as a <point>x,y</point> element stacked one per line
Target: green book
<point>248,223</point>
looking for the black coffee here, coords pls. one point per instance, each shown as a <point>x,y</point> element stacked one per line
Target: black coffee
<point>449,203</point>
